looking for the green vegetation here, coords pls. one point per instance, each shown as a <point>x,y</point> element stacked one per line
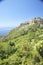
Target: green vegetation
<point>22,46</point>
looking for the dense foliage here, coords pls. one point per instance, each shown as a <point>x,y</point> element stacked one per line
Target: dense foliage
<point>22,46</point>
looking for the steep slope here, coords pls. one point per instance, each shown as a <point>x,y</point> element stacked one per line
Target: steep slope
<point>23,45</point>
<point>23,28</point>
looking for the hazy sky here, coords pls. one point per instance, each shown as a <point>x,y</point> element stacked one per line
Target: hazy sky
<point>13,12</point>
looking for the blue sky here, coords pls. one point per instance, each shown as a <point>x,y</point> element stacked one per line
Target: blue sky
<point>13,12</point>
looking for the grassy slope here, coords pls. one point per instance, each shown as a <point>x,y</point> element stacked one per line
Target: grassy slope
<point>22,46</point>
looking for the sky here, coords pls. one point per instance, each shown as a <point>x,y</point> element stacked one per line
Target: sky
<point>14,12</point>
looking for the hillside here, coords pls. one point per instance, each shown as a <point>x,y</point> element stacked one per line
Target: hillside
<point>23,45</point>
